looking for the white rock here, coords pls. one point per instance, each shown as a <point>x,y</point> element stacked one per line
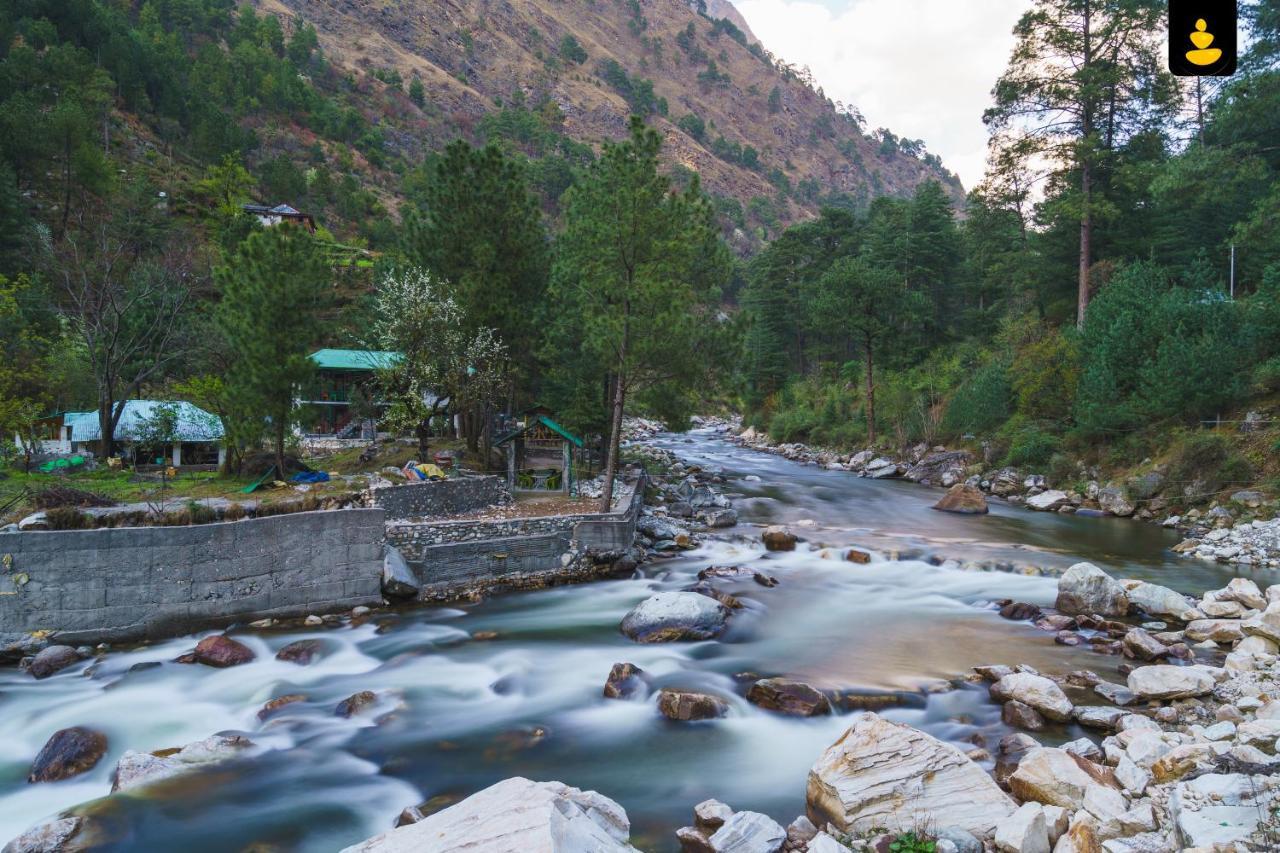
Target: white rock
<point>823,843</point>
<point>675,616</point>
<point>515,815</point>
<point>1220,731</point>
<point>884,775</point>
<point>1244,591</point>
<point>1217,630</point>
<point>1169,682</point>
<point>1133,778</point>
<point>1036,691</point>
<point>1157,600</point>
<point>1047,501</point>
<point>1265,624</point>
<point>749,832</point>
<point>1054,777</point>
<point>1025,831</point>
<point>1085,588</point>
<point>1258,645</point>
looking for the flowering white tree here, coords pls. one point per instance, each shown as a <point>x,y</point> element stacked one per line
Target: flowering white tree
<point>443,368</point>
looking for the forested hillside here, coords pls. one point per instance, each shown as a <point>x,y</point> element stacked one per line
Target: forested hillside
<point>909,325</point>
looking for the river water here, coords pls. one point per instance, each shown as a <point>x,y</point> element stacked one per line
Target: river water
<point>457,713</point>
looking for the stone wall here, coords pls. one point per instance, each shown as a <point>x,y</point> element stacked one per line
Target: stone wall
<point>414,537</point>
<point>458,559</point>
<point>443,497</point>
<point>123,584</point>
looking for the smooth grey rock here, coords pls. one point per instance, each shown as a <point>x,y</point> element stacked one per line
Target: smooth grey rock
<point>1169,682</point>
<point>670,616</point>
<point>398,580</point>
<point>749,832</point>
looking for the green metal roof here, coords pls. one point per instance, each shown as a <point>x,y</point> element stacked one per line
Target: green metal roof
<point>550,424</point>
<point>353,359</point>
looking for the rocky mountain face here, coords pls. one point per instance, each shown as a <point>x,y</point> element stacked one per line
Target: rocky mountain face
<point>763,137</point>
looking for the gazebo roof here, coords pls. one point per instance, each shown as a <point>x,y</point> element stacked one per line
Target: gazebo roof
<point>545,421</point>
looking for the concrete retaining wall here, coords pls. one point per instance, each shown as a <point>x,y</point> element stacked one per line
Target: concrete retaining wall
<point>537,552</point>
<point>114,585</point>
<point>442,497</point>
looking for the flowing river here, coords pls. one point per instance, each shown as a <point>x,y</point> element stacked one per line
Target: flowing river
<point>457,713</point>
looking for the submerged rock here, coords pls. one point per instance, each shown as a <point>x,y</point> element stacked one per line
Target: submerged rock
<point>301,652</point>
<point>221,651</point>
<point>884,775</point>
<point>626,681</point>
<point>68,753</point>
<point>63,835</point>
<point>1087,589</point>
<point>515,815</point>
<point>778,538</point>
<point>687,706</point>
<point>139,769</point>
<point>794,698</point>
<point>963,499</point>
<point>671,616</point>
<point>355,703</point>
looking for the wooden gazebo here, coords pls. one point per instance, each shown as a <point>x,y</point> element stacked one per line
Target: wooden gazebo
<point>539,454</point>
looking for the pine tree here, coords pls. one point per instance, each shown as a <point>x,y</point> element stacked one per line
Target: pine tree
<point>273,291</point>
<point>638,271</point>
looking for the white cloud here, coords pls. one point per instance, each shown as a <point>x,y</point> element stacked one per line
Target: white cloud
<point>922,68</point>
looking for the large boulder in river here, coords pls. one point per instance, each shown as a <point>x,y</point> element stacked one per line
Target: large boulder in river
<point>221,651</point>
<point>1036,692</point>
<point>670,616</point>
<point>778,538</point>
<point>794,698</point>
<point>515,815</point>
<point>1085,588</point>
<point>688,705</point>
<point>887,776</point>
<point>934,467</point>
<point>960,498</point>
<point>67,753</point>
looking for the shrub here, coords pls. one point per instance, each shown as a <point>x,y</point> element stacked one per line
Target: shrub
<point>981,403</point>
<point>1029,445</point>
<point>1207,460</point>
<point>1266,376</point>
<point>792,425</point>
<point>1044,375</point>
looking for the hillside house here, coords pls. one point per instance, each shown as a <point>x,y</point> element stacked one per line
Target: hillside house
<point>272,216</point>
<point>345,382</point>
<point>196,437</point>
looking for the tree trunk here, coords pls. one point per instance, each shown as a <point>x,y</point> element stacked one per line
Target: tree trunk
<point>423,431</point>
<point>1086,249</point>
<point>280,469</point>
<point>106,428</point>
<point>871,398</point>
<point>615,440</point>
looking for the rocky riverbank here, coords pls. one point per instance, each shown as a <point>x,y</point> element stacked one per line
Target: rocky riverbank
<point>1243,529</point>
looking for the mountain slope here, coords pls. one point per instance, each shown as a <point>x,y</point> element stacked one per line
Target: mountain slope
<point>754,129</point>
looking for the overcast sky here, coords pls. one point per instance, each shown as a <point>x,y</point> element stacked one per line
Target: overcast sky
<point>922,68</point>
